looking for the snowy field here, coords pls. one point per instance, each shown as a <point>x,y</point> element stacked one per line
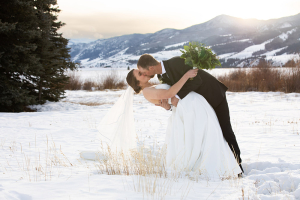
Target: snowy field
<point>40,151</point>
<point>95,73</point>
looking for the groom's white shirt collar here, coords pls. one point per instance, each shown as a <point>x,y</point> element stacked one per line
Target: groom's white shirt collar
<point>163,70</point>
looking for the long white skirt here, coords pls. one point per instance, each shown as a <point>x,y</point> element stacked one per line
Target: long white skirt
<point>195,141</point>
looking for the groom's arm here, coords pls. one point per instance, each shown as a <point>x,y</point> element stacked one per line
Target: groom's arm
<point>179,68</point>
<point>190,85</point>
<point>185,90</point>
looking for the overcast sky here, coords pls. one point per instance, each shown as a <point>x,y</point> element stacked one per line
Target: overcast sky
<point>95,19</point>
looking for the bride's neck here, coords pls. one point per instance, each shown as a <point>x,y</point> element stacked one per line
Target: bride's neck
<point>147,85</point>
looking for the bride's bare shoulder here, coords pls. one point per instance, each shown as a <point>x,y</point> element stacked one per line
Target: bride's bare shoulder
<point>148,92</point>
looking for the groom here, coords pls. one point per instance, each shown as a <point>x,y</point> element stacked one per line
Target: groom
<point>170,71</point>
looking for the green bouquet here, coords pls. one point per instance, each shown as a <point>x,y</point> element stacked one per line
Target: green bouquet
<point>197,55</point>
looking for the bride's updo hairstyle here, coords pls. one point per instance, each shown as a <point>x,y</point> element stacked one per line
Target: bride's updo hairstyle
<point>146,60</point>
<point>133,82</point>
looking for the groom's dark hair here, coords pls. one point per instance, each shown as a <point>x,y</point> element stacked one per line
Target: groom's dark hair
<point>146,60</point>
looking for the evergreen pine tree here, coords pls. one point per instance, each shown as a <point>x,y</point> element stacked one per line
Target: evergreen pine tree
<point>18,28</point>
<point>33,56</point>
<point>53,53</point>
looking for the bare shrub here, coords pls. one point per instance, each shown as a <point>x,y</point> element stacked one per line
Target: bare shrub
<point>264,78</point>
<point>292,79</point>
<point>111,80</point>
<point>88,84</point>
<point>234,84</point>
<point>75,82</point>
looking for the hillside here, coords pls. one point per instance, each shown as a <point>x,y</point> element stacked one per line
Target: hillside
<point>237,42</point>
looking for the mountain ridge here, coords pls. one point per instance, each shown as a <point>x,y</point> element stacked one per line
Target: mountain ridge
<point>237,41</point>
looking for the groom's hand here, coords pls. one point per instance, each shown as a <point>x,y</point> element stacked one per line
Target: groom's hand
<point>164,103</point>
<point>174,101</point>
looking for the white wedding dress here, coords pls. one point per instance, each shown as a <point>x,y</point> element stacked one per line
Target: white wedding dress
<point>194,139</point>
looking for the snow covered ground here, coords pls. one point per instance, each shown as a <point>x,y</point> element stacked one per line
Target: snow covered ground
<point>40,151</point>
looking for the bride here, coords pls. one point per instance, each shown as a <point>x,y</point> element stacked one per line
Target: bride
<point>194,138</point>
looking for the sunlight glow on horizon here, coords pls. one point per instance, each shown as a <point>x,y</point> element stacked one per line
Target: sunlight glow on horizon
<point>96,19</point>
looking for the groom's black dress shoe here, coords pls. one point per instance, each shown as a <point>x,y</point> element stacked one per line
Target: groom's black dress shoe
<point>241,168</point>
<point>240,175</point>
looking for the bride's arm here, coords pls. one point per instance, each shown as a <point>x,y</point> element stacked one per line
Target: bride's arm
<point>152,93</point>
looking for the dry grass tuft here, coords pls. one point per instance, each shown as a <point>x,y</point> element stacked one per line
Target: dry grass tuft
<point>142,162</point>
<point>147,171</point>
<point>36,165</point>
<point>90,103</point>
<point>264,78</point>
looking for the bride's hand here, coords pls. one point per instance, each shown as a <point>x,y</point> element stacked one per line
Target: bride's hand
<point>191,73</point>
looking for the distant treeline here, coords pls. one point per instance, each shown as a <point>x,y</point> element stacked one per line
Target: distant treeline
<point>33,56</point>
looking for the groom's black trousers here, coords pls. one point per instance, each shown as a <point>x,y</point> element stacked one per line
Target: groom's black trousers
<point>222,112</point>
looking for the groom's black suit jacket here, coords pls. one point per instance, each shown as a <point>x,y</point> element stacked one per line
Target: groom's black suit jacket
<point>204,83</point>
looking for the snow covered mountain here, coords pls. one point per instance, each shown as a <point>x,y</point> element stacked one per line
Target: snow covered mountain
<point>237,42</point>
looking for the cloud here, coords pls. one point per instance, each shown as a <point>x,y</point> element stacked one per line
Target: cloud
<point>70,33</point>
<point>94,20</point>
<point>105,25</point>
<point>98,35</point>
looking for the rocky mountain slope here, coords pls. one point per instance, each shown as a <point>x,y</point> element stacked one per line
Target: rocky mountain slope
<point>237,42</point>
